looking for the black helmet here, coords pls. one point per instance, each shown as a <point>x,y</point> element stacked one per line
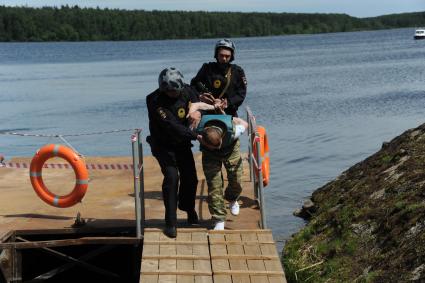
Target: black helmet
<point>225,43</point>
<point>170,79</point>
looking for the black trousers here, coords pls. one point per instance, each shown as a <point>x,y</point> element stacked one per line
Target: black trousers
<point>180,180</point>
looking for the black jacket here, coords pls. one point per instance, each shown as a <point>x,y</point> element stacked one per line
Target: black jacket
<point>213,77</point>
<point>168,124</point>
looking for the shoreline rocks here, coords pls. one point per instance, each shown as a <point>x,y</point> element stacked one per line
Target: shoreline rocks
<point>368,224</point>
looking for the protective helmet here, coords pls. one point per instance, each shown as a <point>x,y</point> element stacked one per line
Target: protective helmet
<point>170,79</point>
<point>225,43</point>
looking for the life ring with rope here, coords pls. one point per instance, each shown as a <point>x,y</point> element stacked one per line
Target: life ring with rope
<point>80,170</point>
<point>264,154</point>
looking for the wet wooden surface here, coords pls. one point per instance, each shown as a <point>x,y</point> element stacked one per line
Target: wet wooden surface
<point>109,201</point>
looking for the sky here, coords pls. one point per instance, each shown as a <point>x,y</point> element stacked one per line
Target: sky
<point>356,8</point>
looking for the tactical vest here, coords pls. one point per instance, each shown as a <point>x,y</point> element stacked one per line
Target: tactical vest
<point>224,122</point>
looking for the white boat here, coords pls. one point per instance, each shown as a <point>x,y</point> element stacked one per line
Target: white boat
<point>419,34</point>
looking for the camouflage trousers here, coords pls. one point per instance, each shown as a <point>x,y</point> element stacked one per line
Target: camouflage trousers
<point>212,162</point>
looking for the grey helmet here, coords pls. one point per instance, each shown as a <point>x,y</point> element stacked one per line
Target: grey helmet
<point>170,79</point>
<point>225,43</point>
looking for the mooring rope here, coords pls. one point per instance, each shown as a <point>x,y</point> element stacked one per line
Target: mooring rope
<point>66,135</point>
<point>62,137</point>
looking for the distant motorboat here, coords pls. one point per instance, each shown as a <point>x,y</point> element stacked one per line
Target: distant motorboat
<point>419,34</point>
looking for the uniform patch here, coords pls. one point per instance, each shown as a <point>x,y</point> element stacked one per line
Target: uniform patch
<point>161,113</point>
<point>181,113</point>
<point>217,83</point>
<point>244,80</point>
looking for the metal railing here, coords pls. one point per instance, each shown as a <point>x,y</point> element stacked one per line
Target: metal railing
<point>255,165</point>
<point>139,189</point>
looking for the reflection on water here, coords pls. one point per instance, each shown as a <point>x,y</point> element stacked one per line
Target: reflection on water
<point>327,101</point>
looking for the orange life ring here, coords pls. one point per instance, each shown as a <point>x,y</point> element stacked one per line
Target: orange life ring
<point>264,153</point>
<point>81,175</point>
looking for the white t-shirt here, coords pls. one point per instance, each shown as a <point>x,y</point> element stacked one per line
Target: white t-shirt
<point>239,130</point>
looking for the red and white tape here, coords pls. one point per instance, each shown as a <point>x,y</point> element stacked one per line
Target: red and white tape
<point>117,166</point>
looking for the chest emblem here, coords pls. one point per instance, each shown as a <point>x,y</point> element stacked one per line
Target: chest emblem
<point>181,113</point>
<point>217,83</point>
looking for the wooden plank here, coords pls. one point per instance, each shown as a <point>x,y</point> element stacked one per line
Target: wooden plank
<point>178,256</point>
<point>202,251</point>
<point>257,231</point>
<point>75,231</point>
<point>237,264</point>
<point>71,242</point>
<point>246,257</point>
<point>6,236</point>
<point>242,243</point>
<point>272,265</point>
<point>219,264</point>
<point>150,264</point>
<point>173,243</point>
<point>255,264</point>
<point>167,265</point>
<point>246,273</point>
<point>184,258</point>
<point>180,230</point>
<point>164,274</point>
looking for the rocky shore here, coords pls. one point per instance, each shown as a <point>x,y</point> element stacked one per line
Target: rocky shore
<point>367,225</point>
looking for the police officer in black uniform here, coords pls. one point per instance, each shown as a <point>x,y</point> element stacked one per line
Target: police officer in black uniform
<point>170,140</point>
<point>222,80</point>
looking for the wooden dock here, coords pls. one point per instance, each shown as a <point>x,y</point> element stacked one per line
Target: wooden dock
<point>241,253</point>
<point>200,255</point>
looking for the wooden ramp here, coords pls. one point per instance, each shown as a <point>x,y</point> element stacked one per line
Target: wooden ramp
<point>201,255</point>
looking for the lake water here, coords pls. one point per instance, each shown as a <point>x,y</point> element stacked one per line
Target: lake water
<point>327,101</point>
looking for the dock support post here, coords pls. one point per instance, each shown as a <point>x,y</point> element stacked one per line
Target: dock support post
<point>16,263</point>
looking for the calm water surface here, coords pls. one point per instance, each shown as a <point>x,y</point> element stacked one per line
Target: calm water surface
<point>328,101</point>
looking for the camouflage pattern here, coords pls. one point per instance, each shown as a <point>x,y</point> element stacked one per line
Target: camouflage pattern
<point>211,163</point>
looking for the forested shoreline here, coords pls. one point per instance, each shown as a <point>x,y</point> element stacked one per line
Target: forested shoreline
<point>90,24</point>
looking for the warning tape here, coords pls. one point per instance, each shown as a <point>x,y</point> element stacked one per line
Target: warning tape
<point>19,165</point>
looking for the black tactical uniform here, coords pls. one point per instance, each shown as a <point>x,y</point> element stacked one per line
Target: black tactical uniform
<point>170,142</point>
<point>214,77</point>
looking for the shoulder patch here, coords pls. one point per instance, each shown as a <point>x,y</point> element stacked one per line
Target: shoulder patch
<point>161,113</point>
<point>217,84</point>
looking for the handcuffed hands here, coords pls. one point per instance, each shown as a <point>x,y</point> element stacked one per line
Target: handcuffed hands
<point>194,119</point>
<point>207,98</point>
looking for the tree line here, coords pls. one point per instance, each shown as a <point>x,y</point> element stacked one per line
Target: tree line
<point>88,24</point>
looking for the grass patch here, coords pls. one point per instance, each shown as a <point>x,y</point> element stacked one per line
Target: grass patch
<point>386,159</point>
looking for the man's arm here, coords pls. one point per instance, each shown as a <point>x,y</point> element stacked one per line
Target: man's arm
<point>200,106</point>
<point>170,123</point>
<point>167,121</point>
<point>195,115</point>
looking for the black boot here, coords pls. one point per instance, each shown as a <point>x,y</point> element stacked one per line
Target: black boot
<point>170,231</point>
<point>192,217</point>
